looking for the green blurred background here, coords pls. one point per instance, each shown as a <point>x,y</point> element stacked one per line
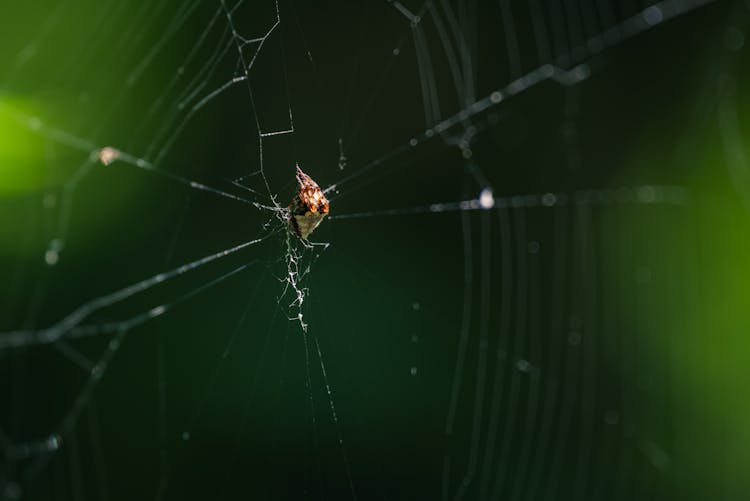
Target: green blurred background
<point>602,338</point>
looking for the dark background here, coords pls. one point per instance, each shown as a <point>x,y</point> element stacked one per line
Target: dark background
<point>603,337</point>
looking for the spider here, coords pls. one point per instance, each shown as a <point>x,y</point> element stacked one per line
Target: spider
<point>308,208</point>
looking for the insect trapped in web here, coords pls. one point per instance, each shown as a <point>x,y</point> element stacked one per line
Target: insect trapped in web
<point>308,208</point>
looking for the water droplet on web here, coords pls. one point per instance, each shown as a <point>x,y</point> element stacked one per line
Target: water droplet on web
<point>413,141</point>
<point>653,15</point>
<point>54,441</point>
<point>486,198</point>
<point>156,311</point>
<point>547,71</point>
<point>97,371</point>
<point>413,371</point>
<point>549,199</point>
<point>396,51</point>
<point>582,71</point>
<point>107,155</point>
<point>51,257</point>
<point>496,97</point>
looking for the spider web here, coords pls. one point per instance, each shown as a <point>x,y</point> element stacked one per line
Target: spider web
<point>490,311</point>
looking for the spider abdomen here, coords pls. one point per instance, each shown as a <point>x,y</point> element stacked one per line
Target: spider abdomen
<point>309,206</point>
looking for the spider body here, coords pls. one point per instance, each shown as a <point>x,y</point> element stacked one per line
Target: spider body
<point>309,206</point>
